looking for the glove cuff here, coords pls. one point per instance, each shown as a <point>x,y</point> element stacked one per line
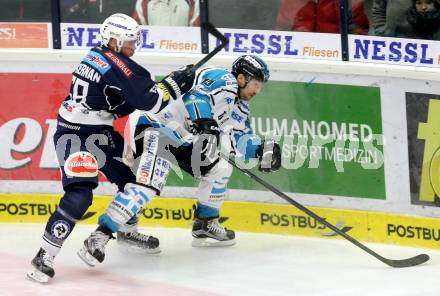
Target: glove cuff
<point>172,86</point>
<point>165,92</point>
<point>266,156</point>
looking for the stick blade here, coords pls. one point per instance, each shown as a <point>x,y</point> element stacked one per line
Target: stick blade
<point>413,261</point>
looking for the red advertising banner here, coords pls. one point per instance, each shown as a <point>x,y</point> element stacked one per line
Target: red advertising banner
<point>30,103</point>
<point>24,35</point>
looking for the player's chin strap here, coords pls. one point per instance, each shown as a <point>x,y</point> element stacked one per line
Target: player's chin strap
<point>247,79</point>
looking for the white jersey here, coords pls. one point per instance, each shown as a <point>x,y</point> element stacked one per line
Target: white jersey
<point>167,12</point>
<point>214,95</point>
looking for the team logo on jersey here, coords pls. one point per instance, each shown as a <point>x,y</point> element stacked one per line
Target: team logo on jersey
<point>237,117</point>
<point>81,164</point>
<point>68,107</point>
<point>97,61</point>
<point>60,229</point>
<point>208,82</point>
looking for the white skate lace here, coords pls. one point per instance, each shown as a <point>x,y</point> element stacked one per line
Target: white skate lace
<point>47,259</point>
<point>138,236</point>
<point>215,226</point>
<point>98,240</point>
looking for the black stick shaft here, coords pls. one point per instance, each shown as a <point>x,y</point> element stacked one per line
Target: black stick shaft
<point>223,41</point>
<point>393,263</point>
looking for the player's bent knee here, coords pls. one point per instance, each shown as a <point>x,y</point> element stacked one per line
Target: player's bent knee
<point>126,205</point>
<point>221,170</point>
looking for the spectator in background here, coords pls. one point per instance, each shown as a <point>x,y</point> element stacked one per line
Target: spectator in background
<point>422,21</point>
<point>358,20</point>
<point>167,12</point>
<point>368,7</point>
<point>319,16</point>
<point>386,15</point>
<point>92,11</point>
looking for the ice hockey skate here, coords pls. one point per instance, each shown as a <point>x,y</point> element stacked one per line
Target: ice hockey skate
<point>137,242</point>
<point>93,250</point>
<point>43,270</point>
<point>209,232</point>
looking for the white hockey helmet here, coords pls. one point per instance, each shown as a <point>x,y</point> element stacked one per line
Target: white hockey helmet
<point>120,27</point>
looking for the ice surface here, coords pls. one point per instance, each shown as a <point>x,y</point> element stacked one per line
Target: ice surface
<point>258,264</point>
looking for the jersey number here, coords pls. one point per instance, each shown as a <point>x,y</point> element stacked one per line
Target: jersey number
<point>79,90</point>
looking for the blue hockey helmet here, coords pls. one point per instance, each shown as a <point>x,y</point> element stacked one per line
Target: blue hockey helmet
<point>252,67</point>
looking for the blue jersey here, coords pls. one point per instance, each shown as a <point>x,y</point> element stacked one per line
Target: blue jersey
<point>107,85</point>
<point>214,95</point>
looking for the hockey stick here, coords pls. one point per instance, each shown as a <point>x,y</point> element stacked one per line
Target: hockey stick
<point>413,261</point>
<point>223,41</point>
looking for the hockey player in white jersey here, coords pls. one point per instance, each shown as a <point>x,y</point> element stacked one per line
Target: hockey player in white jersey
<point>187,133</point>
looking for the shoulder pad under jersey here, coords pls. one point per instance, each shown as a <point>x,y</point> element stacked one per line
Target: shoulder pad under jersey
<point>213,79</point>
<point>97,61</point>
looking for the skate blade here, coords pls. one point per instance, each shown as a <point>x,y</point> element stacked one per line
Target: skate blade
<point>210,242</point>
<point>38,276</point>
<point>87,257</point>
<point>138,250</point>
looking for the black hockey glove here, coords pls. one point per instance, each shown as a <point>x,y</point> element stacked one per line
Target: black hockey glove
<point>178,82</point>
<point>269,154</point>
<point>209,138</point>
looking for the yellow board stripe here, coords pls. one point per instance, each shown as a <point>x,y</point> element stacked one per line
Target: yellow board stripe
<point>246,216</point>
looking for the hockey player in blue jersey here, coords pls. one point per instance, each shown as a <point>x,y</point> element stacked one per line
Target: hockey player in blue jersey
<point>106,85</point>
<point>187,133</point>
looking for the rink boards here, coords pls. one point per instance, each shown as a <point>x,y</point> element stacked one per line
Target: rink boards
<point>246,216</point>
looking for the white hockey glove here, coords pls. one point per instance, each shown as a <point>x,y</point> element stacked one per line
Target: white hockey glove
<point>269,154</point>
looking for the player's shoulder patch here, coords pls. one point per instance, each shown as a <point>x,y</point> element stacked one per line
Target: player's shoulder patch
<point>97,61</point>
<point>81,164</point>
<point>228,77</point>
<point>229,80</point>
<point>216,74</point>
<point>207,82</point>
<point>119,63</point>
<point>214,79</point>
